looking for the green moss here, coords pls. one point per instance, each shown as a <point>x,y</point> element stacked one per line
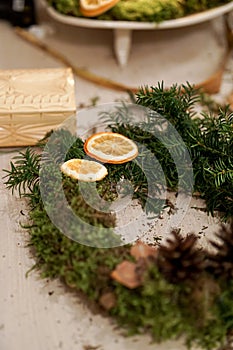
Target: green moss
<point>168,311</point>
<point>142,10</point>
<point>66,7</point>
<point>146,10</point>
<point>80,267</point>
<point>194,6</point>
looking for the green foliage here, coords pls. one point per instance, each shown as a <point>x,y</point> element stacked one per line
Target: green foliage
<point>153,307</point>
<point>66,7</point>
<point>225,306</point>
<point>167,146</point>
<point>209,140</point>
<point>201,312</point>
<point>193,6</point>
<point>62,146</point>
<point>169,311</point>
<point>158,151</point>
<point>142,10</point>
<point>24,172</point>
<point>79,266</point>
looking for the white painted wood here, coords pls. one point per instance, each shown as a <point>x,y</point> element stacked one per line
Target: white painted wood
<point>122,45</point>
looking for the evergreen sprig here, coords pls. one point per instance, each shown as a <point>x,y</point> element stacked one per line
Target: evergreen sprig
<point>24,172</point>
<point>209,140</point>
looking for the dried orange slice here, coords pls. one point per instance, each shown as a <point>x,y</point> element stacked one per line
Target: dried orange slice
<point>93,8</point>
<point>110,147</point>
<point>84,170</point>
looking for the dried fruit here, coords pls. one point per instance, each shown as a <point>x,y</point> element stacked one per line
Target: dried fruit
<point>93,8</point>
<point>84,170</point>
<point>110,147</point>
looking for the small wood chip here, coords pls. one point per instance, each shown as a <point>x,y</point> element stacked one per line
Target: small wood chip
<point>142,250</point>
<point>108,300</point>
<point>125,274</point>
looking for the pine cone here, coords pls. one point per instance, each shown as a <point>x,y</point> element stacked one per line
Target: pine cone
<point>220,264</point>
<point>179,260</point>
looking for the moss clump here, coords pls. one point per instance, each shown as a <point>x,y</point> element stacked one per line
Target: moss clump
<point>194,6</point>
<point>146,10</point>
<point>142,10</point>
<point>81,267</point>
<point>66,7</point>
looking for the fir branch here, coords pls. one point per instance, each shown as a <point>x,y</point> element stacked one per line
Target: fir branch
<point>221,172</point>
<point>24,172</point>
<point>209,140</point>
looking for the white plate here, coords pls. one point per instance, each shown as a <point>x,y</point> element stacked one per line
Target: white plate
<point>174,23</point>
<point>123,29</point>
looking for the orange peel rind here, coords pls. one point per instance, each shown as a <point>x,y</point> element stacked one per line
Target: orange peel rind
<point>110,147</point>
<point>93,8</point>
